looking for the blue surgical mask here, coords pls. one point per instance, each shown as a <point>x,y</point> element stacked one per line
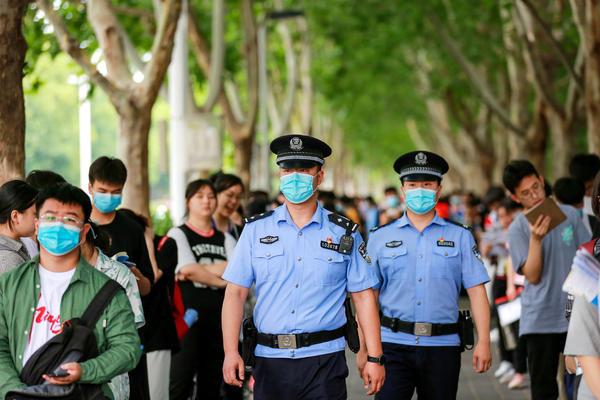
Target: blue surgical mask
<point>392,201</point>
<point>296,187</point>
<point>57,238</point>
<point>420,201</point>
<point>106,202</point>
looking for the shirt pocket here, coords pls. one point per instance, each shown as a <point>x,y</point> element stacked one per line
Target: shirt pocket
<point>393,262</point>
<point>331,267</point>
<point>445,262</point>
<point>269,262</point>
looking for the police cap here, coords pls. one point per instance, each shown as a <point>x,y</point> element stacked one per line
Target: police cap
<point>299,151</point>
<point>420,165</point>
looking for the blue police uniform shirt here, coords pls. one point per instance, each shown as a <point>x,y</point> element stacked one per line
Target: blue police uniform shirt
<point>421,274</point>
<point>300,285</point>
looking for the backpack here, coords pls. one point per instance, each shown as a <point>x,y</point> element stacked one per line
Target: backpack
<point>76,338</point>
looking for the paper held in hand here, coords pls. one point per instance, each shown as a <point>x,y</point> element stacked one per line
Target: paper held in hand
<point>549,208</point>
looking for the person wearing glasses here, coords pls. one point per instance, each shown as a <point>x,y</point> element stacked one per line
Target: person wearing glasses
<point>545,258</point>
<point>57,286</point>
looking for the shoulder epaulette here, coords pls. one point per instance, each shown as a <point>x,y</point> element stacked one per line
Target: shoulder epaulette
<point>343,222</point>
<point>381,226</point>
<point>467,227</point>
<point>258,216</point>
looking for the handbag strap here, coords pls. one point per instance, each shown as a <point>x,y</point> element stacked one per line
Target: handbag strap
<point>100,302</point>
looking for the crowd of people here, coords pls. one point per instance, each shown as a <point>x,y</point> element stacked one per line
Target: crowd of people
<point>161,337</point>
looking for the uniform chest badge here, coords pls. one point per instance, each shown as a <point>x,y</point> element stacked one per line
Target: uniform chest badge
<point>394,243</point>
<point>269,239</point>
<point>445,243</point>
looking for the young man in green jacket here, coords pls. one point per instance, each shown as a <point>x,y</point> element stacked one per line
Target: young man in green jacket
<point>37,297</point>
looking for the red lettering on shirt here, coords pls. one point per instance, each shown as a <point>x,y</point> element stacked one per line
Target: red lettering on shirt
<point>42,315</point>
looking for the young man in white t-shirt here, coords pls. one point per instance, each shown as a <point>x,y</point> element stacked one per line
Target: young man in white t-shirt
<point>39,296</point>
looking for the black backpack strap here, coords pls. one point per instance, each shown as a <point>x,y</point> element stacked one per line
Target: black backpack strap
<point>101,300</point>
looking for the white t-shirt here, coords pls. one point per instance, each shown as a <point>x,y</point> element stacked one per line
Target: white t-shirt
<point>46,320</point>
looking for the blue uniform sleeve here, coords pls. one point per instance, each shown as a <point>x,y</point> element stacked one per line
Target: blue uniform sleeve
<point>518,245</point>
<point>360,273</point>
<point>373,253</point>
<point>239,267</point>
<point>473,271</point>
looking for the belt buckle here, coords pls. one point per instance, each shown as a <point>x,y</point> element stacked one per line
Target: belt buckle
<point>423,329</point>
<point>286,341</point>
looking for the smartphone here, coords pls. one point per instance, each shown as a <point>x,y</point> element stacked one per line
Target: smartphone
<point>58,373</point>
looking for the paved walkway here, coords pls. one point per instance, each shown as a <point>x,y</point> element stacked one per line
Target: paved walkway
<point>472,386</point>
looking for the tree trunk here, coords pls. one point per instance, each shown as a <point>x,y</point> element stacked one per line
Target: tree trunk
<point>537,138</point>
<point>563,144</point>
<point>12,105</point>
<point>243,156</point>
<point>592,73</point>
<point>134,127</point>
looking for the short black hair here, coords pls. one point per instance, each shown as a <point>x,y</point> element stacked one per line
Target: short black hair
<point>67,194</point>
<point>41,179</point>
<point>390,189</point>
<point>15,195</point>
<point>109,170</point>
<point>494,194</point>
<point>584,166</point>
<point>515,171</point>
<point>193,187</point>
<point>222,181</point>
<point>569,190</point>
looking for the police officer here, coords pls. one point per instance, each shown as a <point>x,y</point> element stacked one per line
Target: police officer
<point>423,260</point>
<point>302,259</point>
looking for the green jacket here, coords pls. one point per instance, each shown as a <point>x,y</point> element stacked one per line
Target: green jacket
<point>116,335</point>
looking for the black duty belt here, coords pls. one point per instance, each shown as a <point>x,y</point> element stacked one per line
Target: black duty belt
<point>419,328</point>
<point>300,339</point>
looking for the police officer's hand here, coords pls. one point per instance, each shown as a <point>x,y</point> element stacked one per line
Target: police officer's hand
<point>373,376</point>
<point>540,228</point>
<point>233,369</point>
<point>482,357</point>
<point>361,360</point>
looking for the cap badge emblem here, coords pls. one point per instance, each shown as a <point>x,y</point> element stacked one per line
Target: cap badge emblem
<point>296,143</point>
<point>421,159</point>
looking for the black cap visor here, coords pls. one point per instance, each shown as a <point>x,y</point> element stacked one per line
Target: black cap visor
<point>421,177</point>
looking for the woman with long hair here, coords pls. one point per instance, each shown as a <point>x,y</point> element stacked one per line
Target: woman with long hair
<point>202,252</point>
<point>17,220</point>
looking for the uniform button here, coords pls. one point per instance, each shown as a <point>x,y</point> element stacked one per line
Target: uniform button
<point>293,311</point>
<point>268,254</point>
<point>329,259</point>
<point>420,255</point>
<point>418,303</point>
<point>297,286</point>
<point>393,254</point>
<point>446,254</point>
<point>420,279</point>
<point>299,258</point>
<point>299,233</point>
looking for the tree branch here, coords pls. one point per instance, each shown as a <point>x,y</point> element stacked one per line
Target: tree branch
<point>481,86</point>
<point>217,66</point>
<point>555,44</point>
<point>70,46</point>
<point>162,48</point>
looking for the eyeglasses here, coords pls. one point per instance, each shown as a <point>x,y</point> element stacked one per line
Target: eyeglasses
<point>529,193</point>
<point>67,219</point>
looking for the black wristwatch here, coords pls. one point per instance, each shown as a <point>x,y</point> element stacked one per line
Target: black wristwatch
<point>377,360</point>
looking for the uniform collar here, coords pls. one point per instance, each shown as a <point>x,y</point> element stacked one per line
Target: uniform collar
<point>403,221</point>
<point>282,214</point>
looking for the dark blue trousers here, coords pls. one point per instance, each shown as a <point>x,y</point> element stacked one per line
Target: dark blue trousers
<point>432,371</point>
<point>313,378</point>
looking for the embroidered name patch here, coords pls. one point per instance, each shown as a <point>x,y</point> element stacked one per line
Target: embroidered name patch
<point>445,243</point>
<point>394,243</point>
<point>362,250</point>
<point>269,239</point>
<point>330,245</point>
